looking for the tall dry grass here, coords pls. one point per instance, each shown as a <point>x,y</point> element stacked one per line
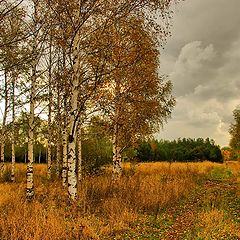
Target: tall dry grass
<point>102,208</point>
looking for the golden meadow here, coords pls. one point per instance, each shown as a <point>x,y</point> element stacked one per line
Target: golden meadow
<point>146,189</point>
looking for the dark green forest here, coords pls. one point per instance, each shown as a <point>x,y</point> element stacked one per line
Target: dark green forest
<point>181,150</point>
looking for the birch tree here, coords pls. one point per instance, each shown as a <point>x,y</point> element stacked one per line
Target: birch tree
<point>13,130</point>
<point>50,99</point>
<point>79,150</point>
<point>5,112</point>
<point>65,130</point>
<point>135,97</point>
<point>35,55</point>
<point>11,55</point>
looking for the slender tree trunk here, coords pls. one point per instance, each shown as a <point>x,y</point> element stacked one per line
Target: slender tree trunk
<point>4,124</point>
<point>59,128</point>
<point>13,131</point>
<point>79,137</point>
<point>73,123</point>
<point>2,157</point>
<point>117,158</point>
<point>25,156</point>
<point>65,126</point>
<point>65,158</point>
<point>72,177</point>
<point>30,183</point>
<point>49,155</point>
<point>49,140</point>
<point>39,155</point>
<point>13,161</point>
<point>72,158</point>
<point>58,155</point>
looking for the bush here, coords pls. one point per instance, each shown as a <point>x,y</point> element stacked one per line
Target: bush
<point>6,177</point>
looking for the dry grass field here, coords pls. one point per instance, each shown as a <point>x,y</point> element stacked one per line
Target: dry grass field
<point>151,201</point>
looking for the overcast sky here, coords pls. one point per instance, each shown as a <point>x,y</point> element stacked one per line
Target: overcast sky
<point>202,59</point>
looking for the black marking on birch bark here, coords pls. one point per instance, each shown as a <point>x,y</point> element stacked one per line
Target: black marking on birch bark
<point>70,138</point>
<point>12,177</point>
<point>29,171</point>
<point>30,194</point>
<point>70,153</point>
<point>30,190</point>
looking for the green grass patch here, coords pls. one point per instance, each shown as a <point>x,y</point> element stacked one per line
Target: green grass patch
<point>220,173</point>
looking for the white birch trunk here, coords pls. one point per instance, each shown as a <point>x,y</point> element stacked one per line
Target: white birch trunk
<point>59,128</point>
<point>79,137</point>
<point>72,159</point>
<point>65,159</point>
<point>49,153</point>
<point>2,156</point>
<point>58,155</point>
<point>39,155</point>
<point>49,140</point>
<point>4,125</point>
<point>117,158</point>
<point>65,130</point>
<point>13,161</point>
<point>73,123</point>
<point>30,183</point>
<point>72,177</point>
<point>13,131</point>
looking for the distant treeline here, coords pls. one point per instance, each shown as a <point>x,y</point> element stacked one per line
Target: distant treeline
<point>181,150</point>
<point>97,151</point>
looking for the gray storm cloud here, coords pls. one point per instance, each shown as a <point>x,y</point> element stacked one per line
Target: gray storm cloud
<point>202,60</point>
<point>192,67</point>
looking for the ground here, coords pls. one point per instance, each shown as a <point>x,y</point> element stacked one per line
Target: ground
<point>152,201</point>
<point>210,211</point>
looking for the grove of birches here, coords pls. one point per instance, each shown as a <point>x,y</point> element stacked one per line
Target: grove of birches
<point>66,64</point>
<point>81,75</point>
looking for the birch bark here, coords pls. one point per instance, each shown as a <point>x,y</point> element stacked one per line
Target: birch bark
<point>79,137</point>
<point>13,131</point>
<point>65,128</point>
<point>49,140</point>
<point>30,183</point>
<point>73,123</point>
<point>117,158</point>
<point>72,160</point>
<point>65,157</point>
<point>59,128</point>
<point>4,124</point>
